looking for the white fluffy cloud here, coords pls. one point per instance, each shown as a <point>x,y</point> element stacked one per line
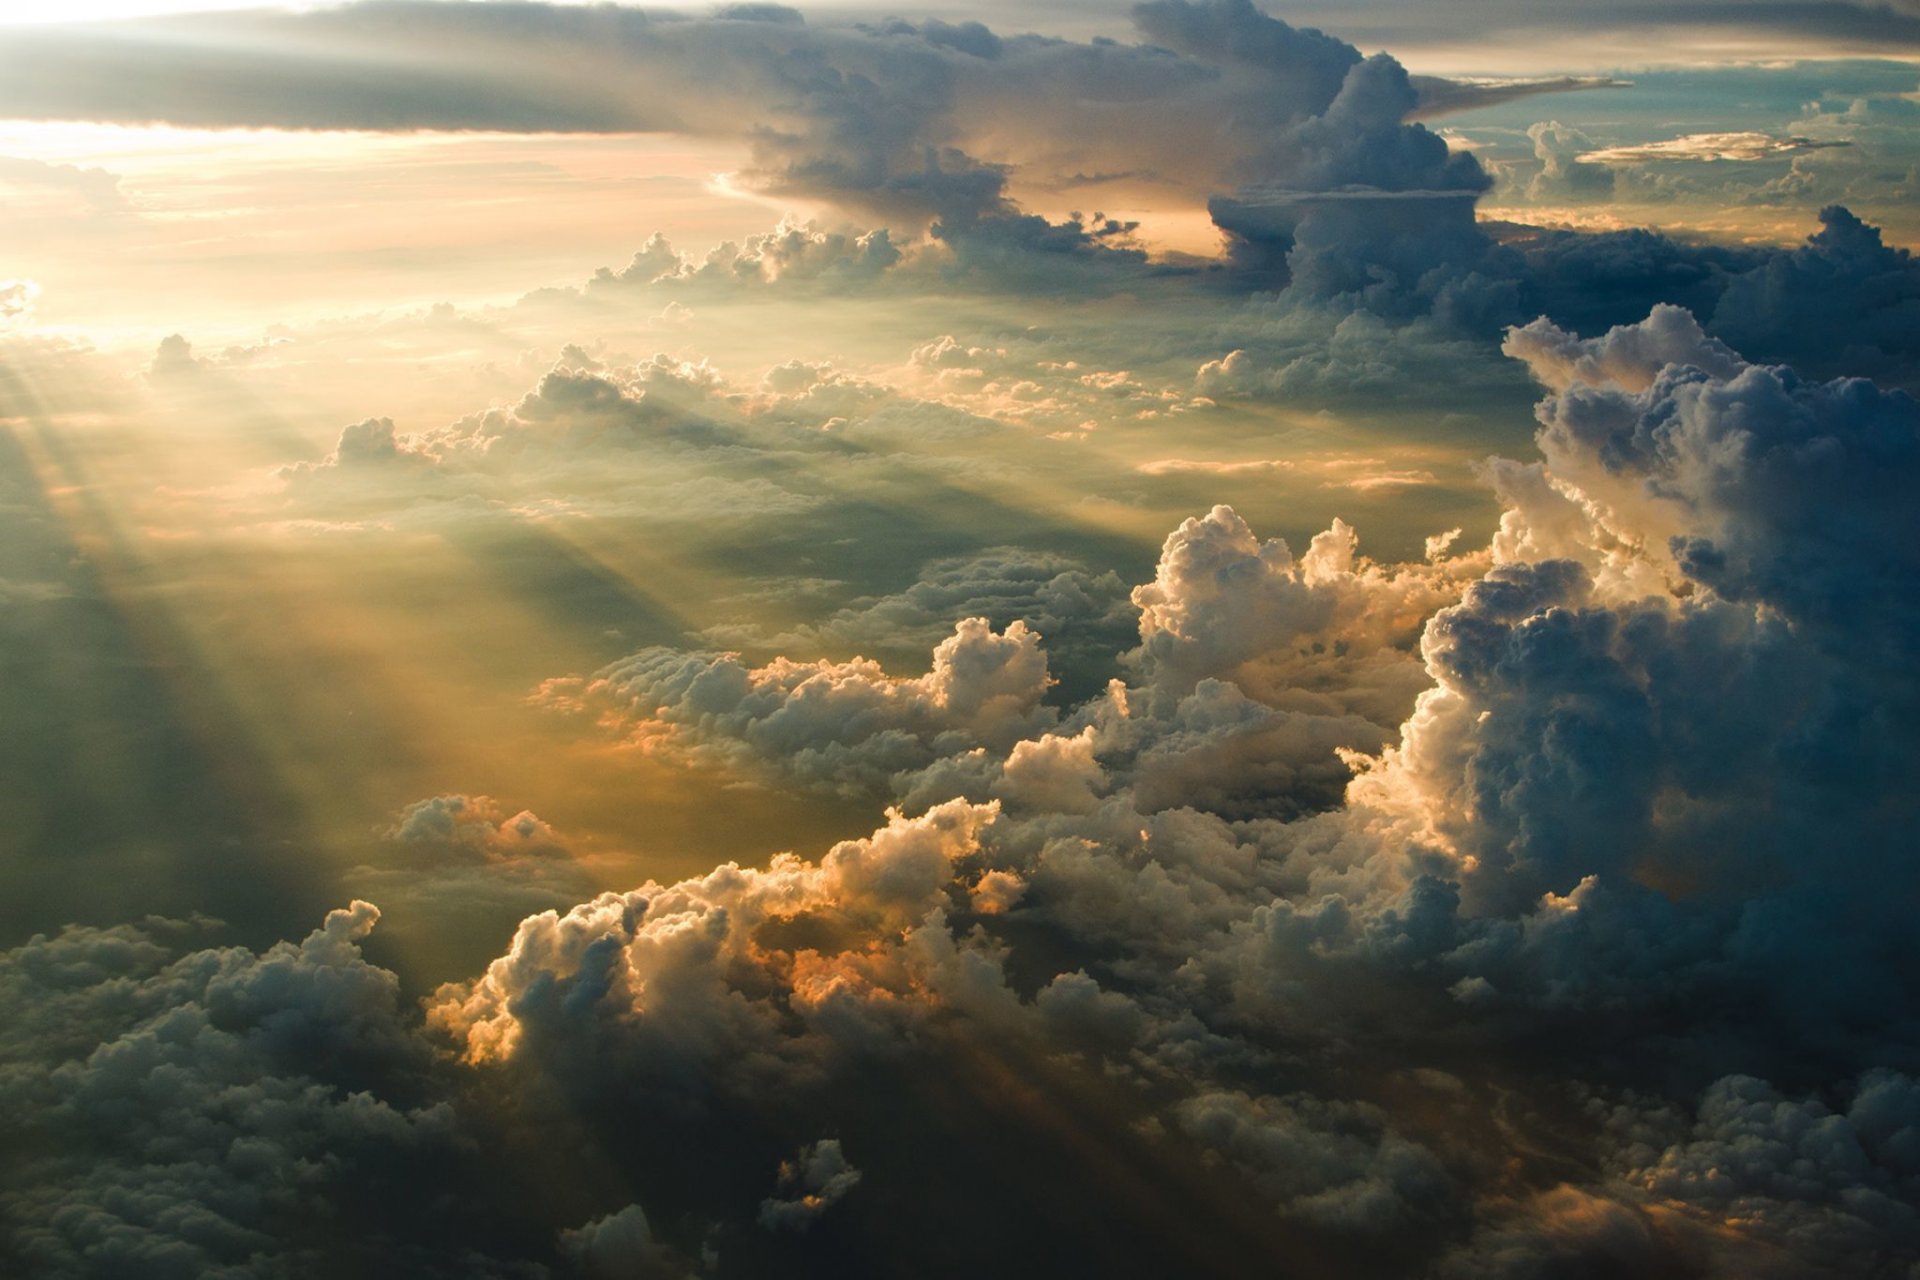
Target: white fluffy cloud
<point>685,978</point>
<point>475,823</point>
<point>1324,631</point>
<point>846,726</point>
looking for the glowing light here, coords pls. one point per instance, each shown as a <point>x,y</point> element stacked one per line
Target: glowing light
<point>52,12</point>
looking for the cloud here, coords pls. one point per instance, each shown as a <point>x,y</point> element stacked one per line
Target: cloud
<point>173,358</point>
<point>1626,356</point>
<point>1569,1228</point>
<point>17,298</point>
<point>475,824</point>
<point>1710,463</point>
<point>1224,603</point>
<point>647,973</point>
<point>843,726</point>
<point>621,1245</point>
<point>200,1112</point>
<point>97,189</point>
<point>1608,728</point>
<point>664,420</point>
<point>575,408</point>
<point>1527,909</point>
<point>1342,834</point>
<point>922,124</point>
<point>1327,1163</point>
<point>1845,301</point>
<point>1831,1183</point>
<point>1839,304</point>
<point>1568,165</point>
<point>1743,147</point>
<point>1585,36</point>
<point>794,254</point>
<point>1053,774</point>
<point>1085,616</point>
<point>814,1181</point>
<point>1594,281</point>
<point>1815,1191</point>
<point>1341,350</point>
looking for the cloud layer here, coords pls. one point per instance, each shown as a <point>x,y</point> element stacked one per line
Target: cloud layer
<point>1600,848</point>
<point>958,816</point>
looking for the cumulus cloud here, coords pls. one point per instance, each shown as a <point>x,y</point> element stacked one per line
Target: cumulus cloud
<point>1814,1191</point>
<point>1053,774</point>
<point>1829,1183</point>
<point>1225,603</point>
<point>1333,1164</point>
<point>1606,730</point>
<point>476,824</point>
<point>845,726</point>
<point>1340,349</point>
<point>97,191</point>
<point>1569,164</point>
<point>810,1184</point>
<point>619,1246</point>
<point>1692,467</point>
<point>1627,356</point>
<point>1841,304</point>
<point>1084,616</point>
<point>183,1112</point>
<point>1342,834</point>
<point>580,408</point>
<point>173,358</point>
<point>1602,809</point>
<point>1844,302</point>
<point>686,982</point>
<point>793,254</point>
<point>669,419</point>
<point>470,866</point>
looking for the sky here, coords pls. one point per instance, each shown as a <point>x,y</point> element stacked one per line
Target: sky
<point>1181,638</point>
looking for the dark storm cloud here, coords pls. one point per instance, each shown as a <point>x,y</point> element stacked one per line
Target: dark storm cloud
<point>908,122</point>
<point>1843,302</point>
<point>811,1184</point>
<point>1709,666</point>
<point>1788,26</point>
<point>178,1112</point>
<point>1380,294</point>
<point>1873,24</point>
